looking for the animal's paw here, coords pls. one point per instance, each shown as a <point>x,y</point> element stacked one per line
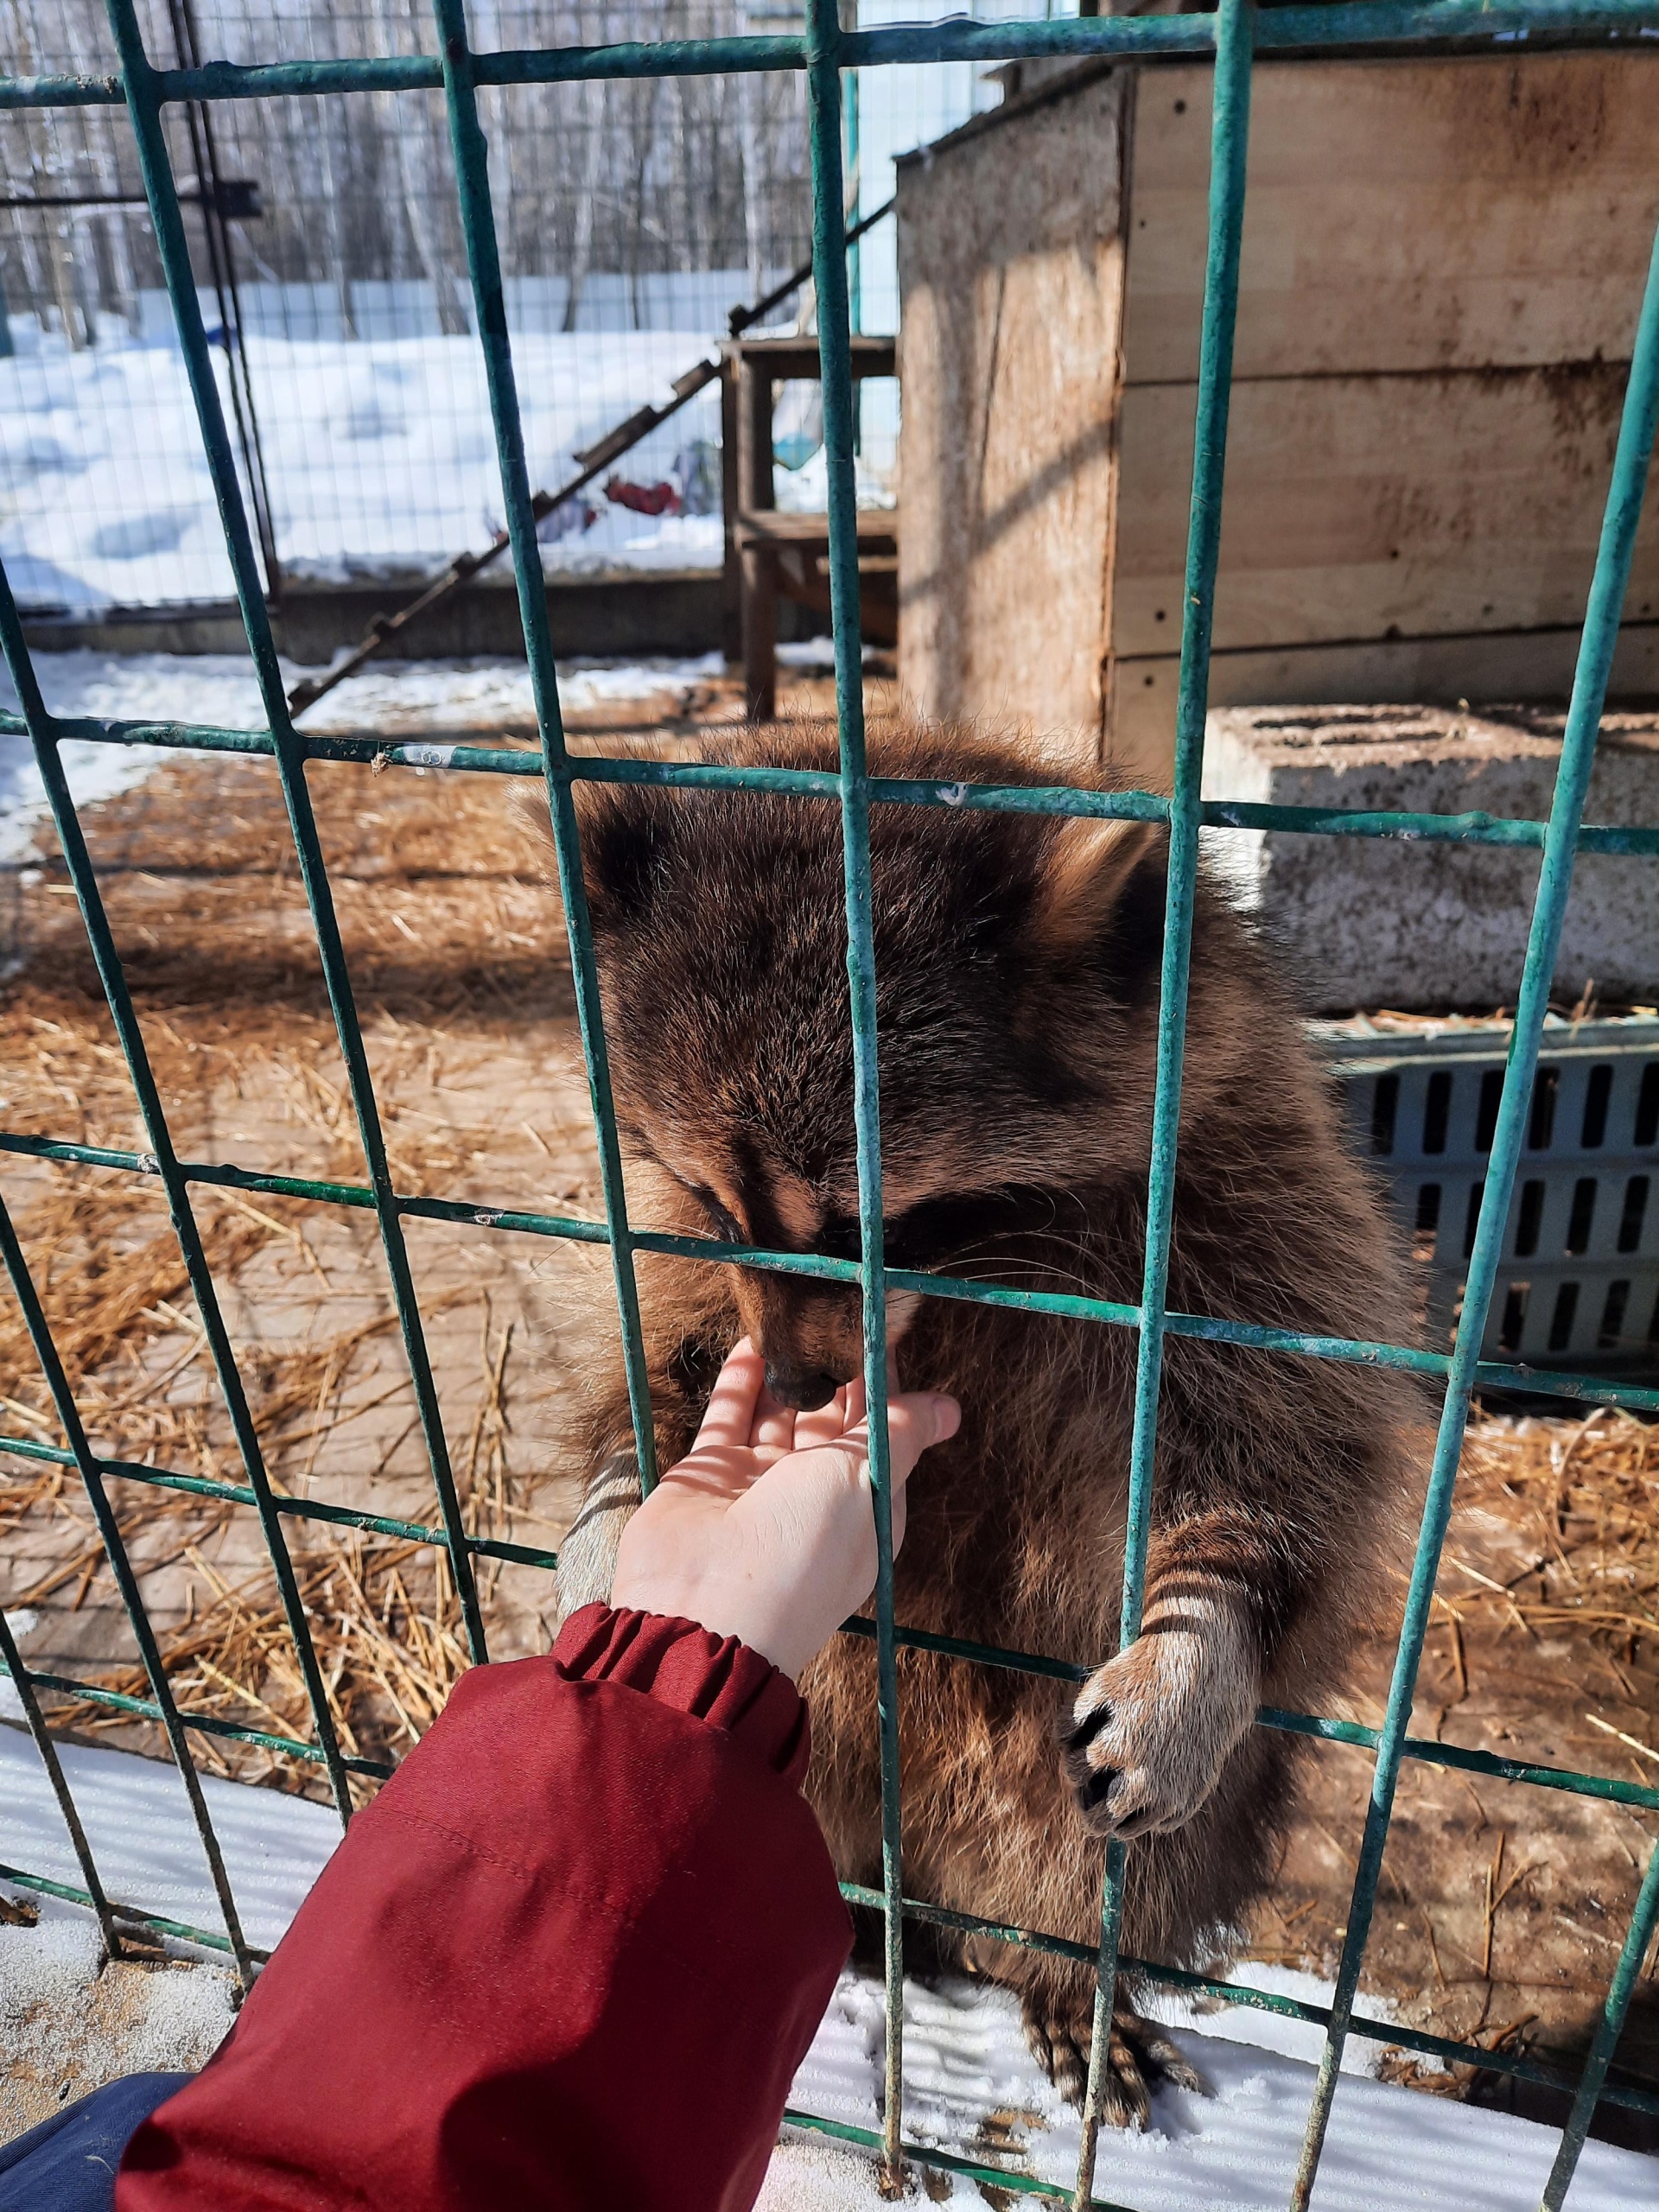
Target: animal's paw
<point>1149,1733</point>
<point>588,1555</point>
<point>1138,2055</point>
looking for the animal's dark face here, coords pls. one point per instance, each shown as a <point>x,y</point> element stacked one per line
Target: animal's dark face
<point>1016,964</point>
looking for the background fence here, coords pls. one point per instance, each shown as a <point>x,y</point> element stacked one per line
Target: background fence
<point>633,216</point>
<point>471,82</point>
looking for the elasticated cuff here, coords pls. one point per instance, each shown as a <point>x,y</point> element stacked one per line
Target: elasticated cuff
<point>682,1664</point>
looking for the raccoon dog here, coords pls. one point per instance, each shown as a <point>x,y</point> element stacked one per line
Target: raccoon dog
<point>1017,959</point>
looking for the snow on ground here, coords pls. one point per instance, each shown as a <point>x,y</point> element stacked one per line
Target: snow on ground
<point>143,1840</point>
<point>219,688</point>
<point>1235,2150</point>
<point>966,2064</point>
<point>378,454</point>
<point>46,1973</point>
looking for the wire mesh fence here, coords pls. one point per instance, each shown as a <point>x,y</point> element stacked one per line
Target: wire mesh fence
<point>476,86</point>
<point>632,215</point>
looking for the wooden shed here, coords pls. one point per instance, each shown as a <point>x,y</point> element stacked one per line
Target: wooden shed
<point>1441,270</point>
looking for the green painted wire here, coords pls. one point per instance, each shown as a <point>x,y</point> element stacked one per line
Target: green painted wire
<point>1621,840</point>
<point>1373,23</point>
<point>1609,2025</point>
<point>1608,586</point>
<point>11,1660</point>
<point>822,54</point>
<point>824,57</point>
<point>115,1550</point>
<point>1230,139</point>
<point>144,102</point>
<point>1489,1374</point>
<point>484,265</point>
<point>1631,460</point>
<point>1257,2000</point>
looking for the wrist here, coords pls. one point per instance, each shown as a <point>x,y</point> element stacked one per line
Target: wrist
<point>717,1606</point>
<point>714,1679</point>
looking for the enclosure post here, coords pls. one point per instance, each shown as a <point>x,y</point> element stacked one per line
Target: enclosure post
<point>1607,600</point>
<point>1229,144</point>
<point>489,304</point>
<point>115,1550</point>
<point>144,105</point>
<point>835,353</point>
<point>164,1160</point>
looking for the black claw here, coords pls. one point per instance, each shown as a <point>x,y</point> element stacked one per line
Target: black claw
<point>1097,1789</point>
<point>1085,1732</point>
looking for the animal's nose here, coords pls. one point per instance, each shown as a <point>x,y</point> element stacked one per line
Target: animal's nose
<point>805,1388</point>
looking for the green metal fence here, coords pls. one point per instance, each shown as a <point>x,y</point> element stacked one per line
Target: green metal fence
<point>1233,35</point>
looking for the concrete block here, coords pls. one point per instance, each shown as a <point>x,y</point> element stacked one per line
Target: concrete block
<point>1373,923</point>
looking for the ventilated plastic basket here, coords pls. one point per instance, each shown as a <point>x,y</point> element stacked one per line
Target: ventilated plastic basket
<point>1579,1284</point>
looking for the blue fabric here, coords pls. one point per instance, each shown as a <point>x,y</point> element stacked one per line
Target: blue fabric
<point>68,2162</point>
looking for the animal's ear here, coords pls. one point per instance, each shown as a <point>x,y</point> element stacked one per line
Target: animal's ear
<point>1086,872</point>
<point>620,832</point>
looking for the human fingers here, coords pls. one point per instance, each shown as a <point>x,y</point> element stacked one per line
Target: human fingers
<point>916,1420</point>
<point>826,1424</point>
<point>775,1427</point>
<point>730,1417</point>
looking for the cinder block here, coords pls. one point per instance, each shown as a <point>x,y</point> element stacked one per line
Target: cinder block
<point>1371,923</point>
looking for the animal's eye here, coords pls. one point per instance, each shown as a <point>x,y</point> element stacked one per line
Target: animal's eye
<point>726,1226</point>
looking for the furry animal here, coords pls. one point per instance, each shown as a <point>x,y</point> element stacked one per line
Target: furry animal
<point>1017,962</point>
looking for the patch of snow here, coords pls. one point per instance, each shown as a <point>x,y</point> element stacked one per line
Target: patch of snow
<point>1293,2038</point>
<point>815,656</point>
<point>1390,2149</point>
<point>805,490</point>
<point>172,2021</point>
<point>378,452</point>
<point>94,771</point>
<point>218,690</point>
<point>22,1625</point>
<point>144,1843</point>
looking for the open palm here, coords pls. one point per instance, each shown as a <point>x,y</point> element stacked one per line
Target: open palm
<point>765,1530</point>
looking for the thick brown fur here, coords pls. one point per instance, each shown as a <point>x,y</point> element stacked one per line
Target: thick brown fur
<point>1018,962</point>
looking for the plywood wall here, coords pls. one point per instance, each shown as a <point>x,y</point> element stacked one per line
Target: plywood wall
<point>1012,275</point>
<point>1442,269</point>
<point>1442,265</point>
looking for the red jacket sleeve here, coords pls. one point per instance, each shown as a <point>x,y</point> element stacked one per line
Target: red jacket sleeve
<point>570,1957</point>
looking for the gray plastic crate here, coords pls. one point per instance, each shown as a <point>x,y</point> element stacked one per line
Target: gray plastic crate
<point>1578,1285</point>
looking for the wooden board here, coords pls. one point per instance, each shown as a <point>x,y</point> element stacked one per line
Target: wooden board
<point>1442,267</point>
<point>1013,287</point>
<point>1403,215</point>
<point>1366,506</point>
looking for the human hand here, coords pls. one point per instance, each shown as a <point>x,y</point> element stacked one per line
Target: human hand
<point>764,1531</point>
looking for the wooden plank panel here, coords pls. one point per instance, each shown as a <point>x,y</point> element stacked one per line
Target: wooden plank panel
<point>1362,507</point>
<point>1403,215</point>
<point>1012,277</point>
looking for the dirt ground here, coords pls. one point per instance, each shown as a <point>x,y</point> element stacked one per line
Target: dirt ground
<point>1503,1906</point>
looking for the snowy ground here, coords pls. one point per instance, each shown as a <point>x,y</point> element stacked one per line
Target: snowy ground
<point>968,2074</point>
<point>380,457</point>
<point>219,688</point>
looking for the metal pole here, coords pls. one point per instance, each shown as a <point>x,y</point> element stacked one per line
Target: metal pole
<point>1228,143</point>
